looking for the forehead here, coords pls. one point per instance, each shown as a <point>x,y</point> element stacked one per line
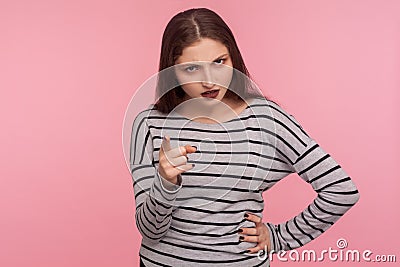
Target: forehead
<point>204,50</point>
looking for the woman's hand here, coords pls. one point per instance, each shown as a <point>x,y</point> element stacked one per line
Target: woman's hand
<point>173,161</point>
<point>258,234</point>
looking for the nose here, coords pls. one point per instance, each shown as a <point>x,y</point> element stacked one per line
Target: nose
<point>208,84</point>
<point>207,81</point>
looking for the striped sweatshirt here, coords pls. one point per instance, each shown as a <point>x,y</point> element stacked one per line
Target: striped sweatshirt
<point>196,222</point>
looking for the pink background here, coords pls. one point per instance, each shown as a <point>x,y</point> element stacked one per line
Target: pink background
<point>69,69</point>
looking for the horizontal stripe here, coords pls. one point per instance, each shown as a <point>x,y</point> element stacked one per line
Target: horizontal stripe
<point>229,201</point>
<point>206,223</point>
<point>175,256</point>
<point>198,151</point>
<point>220,211</point>
<point>237,164</point>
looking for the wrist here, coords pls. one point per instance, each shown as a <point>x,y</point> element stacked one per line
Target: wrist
<point>171,185</point>
<point>173,180</point>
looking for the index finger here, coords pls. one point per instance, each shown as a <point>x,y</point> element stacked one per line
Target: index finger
<point>166,144</point>
<point>253,218</point>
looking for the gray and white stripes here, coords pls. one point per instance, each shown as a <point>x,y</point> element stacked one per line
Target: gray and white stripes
<point>196,223</point>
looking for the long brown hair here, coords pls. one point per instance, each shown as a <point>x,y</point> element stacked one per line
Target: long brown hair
<point>184,29</point>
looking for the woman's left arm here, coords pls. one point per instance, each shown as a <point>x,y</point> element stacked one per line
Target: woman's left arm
<point>336,192</point>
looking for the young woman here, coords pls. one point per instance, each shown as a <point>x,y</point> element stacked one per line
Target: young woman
<point>204,153</point>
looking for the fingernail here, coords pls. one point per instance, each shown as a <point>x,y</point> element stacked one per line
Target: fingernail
<point>241,238</point>
<point>240,230</point>
<point>246,215</point>
<point>247,250</point>
<point>195,147</point>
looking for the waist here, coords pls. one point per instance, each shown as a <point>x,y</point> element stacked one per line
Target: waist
<point>176,252</point>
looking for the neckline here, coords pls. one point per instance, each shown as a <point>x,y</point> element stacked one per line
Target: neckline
<point>244,112</point>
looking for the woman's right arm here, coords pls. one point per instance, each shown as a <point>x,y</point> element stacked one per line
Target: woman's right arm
<point>154,202</point>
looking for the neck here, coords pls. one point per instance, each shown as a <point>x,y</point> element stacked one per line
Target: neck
<point>210,109</point>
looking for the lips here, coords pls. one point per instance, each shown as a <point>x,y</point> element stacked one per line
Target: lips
<point>211,93</point>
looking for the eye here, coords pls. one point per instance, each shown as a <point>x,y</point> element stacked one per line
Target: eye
<point>191,68</point>
<point>220,61</point>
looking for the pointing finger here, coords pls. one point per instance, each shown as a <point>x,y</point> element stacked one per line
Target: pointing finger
<point>181,151</point>
<point>190,149</point>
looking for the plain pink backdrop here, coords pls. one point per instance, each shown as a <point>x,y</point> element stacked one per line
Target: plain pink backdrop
<point>68,70</point>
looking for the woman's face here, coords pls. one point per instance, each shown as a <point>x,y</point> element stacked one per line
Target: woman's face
<point>204,66</point>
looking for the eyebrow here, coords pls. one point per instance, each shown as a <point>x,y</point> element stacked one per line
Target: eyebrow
<point>189,63</point>
<point>221,56</point>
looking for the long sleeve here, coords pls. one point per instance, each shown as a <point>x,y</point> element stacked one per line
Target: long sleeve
<point>154,203</point>
<point>336,192</point>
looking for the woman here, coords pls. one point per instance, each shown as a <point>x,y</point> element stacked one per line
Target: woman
<point>208,113</point>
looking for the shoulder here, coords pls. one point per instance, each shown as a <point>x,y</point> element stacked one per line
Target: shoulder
<point>149,113</point>
<point>277,112</point>
<point>149,117</point>
<point>277,119</point>
<point>265,106</point>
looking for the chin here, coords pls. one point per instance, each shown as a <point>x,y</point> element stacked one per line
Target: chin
<point>221,96</point>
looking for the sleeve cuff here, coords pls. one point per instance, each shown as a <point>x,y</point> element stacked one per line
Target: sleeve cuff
<point>168,186</point>
<point>273,238</point>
